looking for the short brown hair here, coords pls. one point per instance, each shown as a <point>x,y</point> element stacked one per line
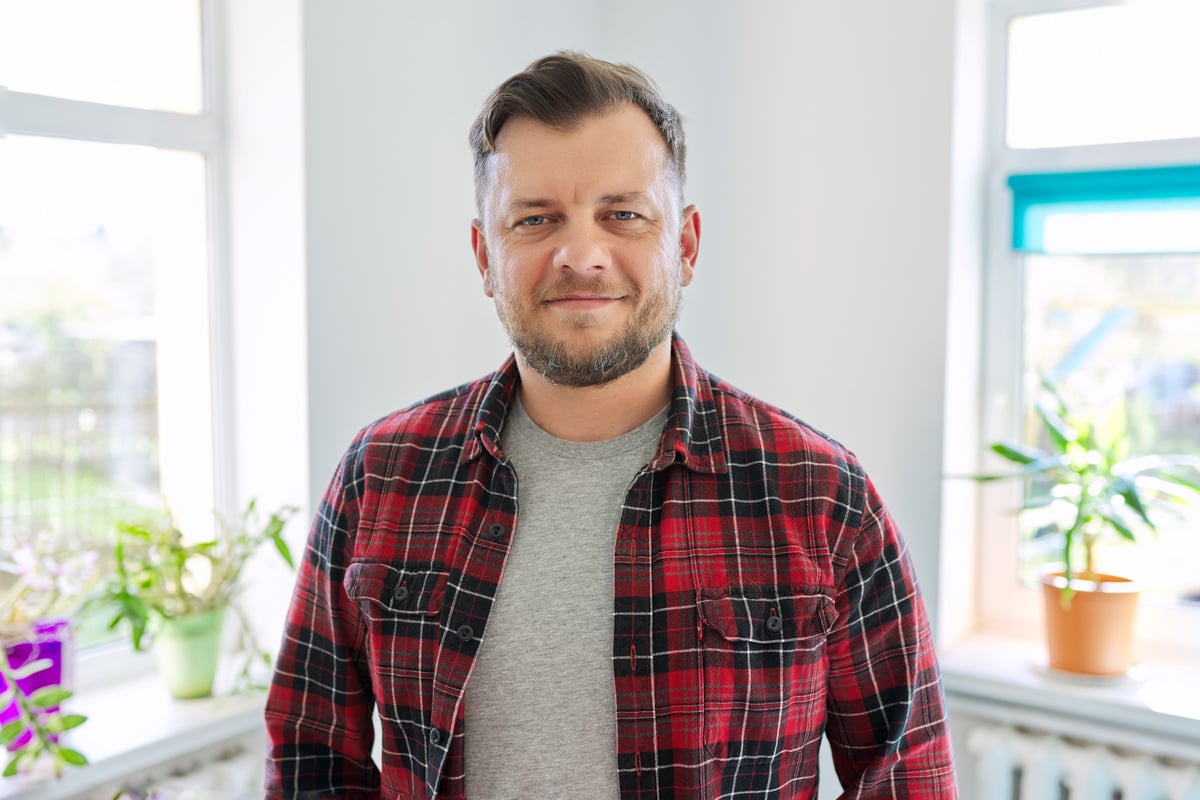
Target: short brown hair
<point>561,89</point>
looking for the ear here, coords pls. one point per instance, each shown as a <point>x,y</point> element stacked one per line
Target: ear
<point>689,243</point>
<point>479,247</point>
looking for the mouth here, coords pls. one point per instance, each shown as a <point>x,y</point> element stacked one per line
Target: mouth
<point>581,302</point>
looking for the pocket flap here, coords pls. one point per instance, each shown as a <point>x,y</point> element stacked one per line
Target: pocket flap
<point>767,613</point>
<point>398,590</point>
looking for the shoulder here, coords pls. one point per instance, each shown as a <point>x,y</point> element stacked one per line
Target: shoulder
<point>438,414</point>
<point>766,442</point>
<point>750,424</point>
<point>437,424</point>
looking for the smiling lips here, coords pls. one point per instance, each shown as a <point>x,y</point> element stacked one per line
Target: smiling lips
<point>572,293</point>
<point>581,302</point>
<point>573,297</point>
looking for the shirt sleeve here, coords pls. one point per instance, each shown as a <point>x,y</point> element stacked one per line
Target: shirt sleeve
<point>886,720</point>
<point>320,703</point>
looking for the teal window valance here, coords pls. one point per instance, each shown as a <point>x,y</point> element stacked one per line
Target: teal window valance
<point>1151,210</point>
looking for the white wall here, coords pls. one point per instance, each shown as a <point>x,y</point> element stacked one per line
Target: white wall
<point>265,282</point>
<point>819,139</point>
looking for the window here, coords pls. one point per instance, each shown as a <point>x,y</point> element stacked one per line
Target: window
<point>1093,269</point>
<point>1113,73</point>
<point>108,157</point>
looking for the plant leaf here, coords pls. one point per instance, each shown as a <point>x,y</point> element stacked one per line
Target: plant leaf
<point>21,756</point>
<point>10,732</point>
<point>1047,463</point>
<point>49,696</point>
<point>1176,478</point>
<point>60,723</point>
<point>1018,453</point>
<point>282,546</point>
<point>1127,489</point>
<point>1119,526</point>
<point>72,756</point>
<point>137,531</point>
<point>1165,492</point>
<point>1062,434</point>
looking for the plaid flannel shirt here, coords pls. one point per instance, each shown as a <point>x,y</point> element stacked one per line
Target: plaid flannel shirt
<point>762,597</point>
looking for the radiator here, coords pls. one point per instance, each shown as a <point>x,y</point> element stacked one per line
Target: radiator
<point>230,772</point>
<point>1014,763</point>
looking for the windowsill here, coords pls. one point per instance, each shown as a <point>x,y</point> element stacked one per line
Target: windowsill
<point>135,726</point>
<point>1159,698</point>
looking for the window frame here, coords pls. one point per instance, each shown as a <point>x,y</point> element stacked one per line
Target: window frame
<point>36,115</point>
<point>1001,604</point>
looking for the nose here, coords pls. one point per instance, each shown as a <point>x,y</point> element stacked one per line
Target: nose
<point>582,248</point>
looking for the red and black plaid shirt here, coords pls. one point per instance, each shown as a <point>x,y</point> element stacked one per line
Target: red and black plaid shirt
<point>762,597</point>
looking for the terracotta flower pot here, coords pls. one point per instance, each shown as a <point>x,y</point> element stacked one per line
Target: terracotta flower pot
<point>1091,631</point>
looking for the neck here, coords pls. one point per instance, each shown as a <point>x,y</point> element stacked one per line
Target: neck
<point>597,413</point>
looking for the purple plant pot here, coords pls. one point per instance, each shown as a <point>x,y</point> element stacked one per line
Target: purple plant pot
<point>50,639</point>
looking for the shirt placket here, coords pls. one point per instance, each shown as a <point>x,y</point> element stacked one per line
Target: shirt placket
<point>634,658</point>
<point>462,630</point>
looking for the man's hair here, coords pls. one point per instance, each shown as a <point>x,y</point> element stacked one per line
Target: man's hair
<point>560,90</point>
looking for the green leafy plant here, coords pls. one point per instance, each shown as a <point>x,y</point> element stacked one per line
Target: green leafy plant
<point>1088,474</point>
<point>161,575</point>
<point>39,586</point>
<point>38,714</point>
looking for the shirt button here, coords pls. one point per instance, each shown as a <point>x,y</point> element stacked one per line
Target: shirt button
<point>401,593</point>
<point>774,624</point>
<point>466,633</point>
<point>496,530</point>
<point>435,736</point>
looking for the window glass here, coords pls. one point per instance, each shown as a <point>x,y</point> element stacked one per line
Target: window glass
<point>104,358</point>
<point>1123,230</point>
<point>139,53</point>
<point>1101,75</point>
<point>1120,335</point>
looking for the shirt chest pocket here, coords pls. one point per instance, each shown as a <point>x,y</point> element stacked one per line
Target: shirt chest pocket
<point>763,667</point>
<point>401,609</point>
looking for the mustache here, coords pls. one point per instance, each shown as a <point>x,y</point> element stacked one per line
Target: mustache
<point>569,284</point>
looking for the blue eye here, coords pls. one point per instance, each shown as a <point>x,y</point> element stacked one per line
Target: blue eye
<point>625,216</point>
<point>534,221</point>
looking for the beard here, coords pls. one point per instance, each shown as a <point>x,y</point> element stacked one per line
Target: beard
<point>584,363</point>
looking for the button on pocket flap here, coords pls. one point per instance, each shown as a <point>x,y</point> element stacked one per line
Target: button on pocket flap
<point>766,614</point>
<point>398,590</point>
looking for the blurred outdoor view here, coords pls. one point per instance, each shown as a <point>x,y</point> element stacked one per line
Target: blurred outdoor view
<point>1120,335</point>
<point>84,250</point>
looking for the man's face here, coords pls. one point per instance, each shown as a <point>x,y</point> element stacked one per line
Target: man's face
<point>582,244</point>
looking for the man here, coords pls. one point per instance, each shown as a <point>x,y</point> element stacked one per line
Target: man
<point>600,571</point>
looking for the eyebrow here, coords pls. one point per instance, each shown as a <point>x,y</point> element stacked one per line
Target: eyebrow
<point>624,197</point>
<point>525,204</point>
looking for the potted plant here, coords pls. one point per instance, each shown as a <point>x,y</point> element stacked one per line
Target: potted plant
<point>1088,488</point>
<point>176,591</point>
<point>40,591</point>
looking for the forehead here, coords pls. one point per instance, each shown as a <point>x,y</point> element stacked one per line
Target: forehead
<point>618,151</point>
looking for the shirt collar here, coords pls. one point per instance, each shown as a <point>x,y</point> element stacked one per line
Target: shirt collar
<point>692,435</point>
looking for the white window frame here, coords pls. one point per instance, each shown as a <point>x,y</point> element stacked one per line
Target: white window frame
<point>1001,605</point>
<point>29,114</point>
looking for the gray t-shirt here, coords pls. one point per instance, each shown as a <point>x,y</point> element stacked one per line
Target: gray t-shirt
<point>540,708</point>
